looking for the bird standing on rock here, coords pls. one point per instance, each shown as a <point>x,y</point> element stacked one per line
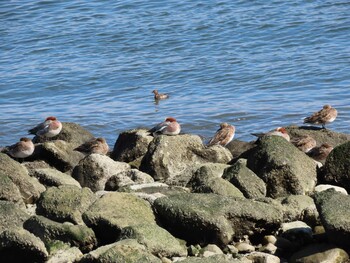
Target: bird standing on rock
<point>224,135</point>
<point>324,116</point>
<point>159,96</point>
<point>168,127</point>
<point>22,149</point>
<point>280,131</point>
<point>49,128</point>
<point>98,145</point>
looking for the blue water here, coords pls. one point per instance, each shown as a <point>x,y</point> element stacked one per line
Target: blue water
<point>255,64</point>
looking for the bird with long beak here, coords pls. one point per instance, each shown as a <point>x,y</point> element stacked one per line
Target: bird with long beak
<point>159,96</point>
<point>224,135</point>
<point>168,127</point>
<point>98,145</point>
<point>320,153</point>
<point>280,131</point>
<point>304,143</point>
<point>49,128</point>
<point>324,116</point>
<point>22,149</point>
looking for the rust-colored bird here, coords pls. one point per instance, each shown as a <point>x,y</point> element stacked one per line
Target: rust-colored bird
<point>324,116</point>
<point>168,127</point>
<point>224,135</point>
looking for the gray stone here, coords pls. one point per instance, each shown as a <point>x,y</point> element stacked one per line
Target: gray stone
<point>320,253</point>
<point>261,257</point>
<point>215,259</point>
<point>245,180</point>
<point>9,191</point>
<point>337,167</point>
<point>128,177</point>
<point>65,203</point>
<point>53,177</point>
<point>205,180</point>
<point>211,218</point>
<point>49,231</point>
<point>68,255</point>
<point>238,147</point>
<point>29,187</point>
<point>334,210</point>
<point>19,245</point>
<point>285,169</point>
<point>323,187</point>
<point>173,159</point>
<point>11,215</point>
<point>297,232</point>
<point>127,250</point>
<point>131,145</point>
<point>95,169</point>
<point>243,247</point>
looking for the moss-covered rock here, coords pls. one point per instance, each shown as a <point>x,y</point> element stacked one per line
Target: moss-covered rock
<point>11,216</point>
<point>173,159</point>
<point>19,245</point>
<point>211,218</point>
<point>126,251</point>
<point>337,166</point>
<point>334,210</point>
<point>9,191</point>
<point>285,169</point>
<point>49,231</point>
<point>245,180</point>
<point>53,177</point>
<point>29,187</point>
<point>65,203</point>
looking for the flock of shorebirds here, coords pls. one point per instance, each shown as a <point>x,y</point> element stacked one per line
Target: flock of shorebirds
<point>51,127</point>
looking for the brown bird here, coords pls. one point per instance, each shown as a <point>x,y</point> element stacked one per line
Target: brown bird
<point>324,116</point>
<point>320,153</point>
<point>280,131</point>
<point>98,145</point>
<point>159,96</point>
<point>21,149</point>
<point>304,143</point>
<point>224,135</point>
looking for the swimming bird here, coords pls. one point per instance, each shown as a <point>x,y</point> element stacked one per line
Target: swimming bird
<point>98,145</point>
<point>22,149</point>
<point>168,127</point>
<point>224,135</point>
<point>324,116</point>
<point>49,128</point>
<point>320,153</point>
<point>159,96</point>
<point>304,143</point>
<point>280,131</point>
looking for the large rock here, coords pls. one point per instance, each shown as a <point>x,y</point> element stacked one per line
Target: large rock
<point>245,180</point>
<point>65,203</point>
<point>334,210</point>
<point>205,180</point>
<point>19,245</point>
<point>285,169</point>
<point>127,250</point>
<point>211,218</point>
<point>11,216</point>
<point>337,166</point>
<point>238,147</point>
<point>71,132</point>
<point>29,187</point>
<point>131,145</point>
<point>53,177</point>
<point>95,169</point>
<point>59,154</point>
<point>50,231</point>
<point>173,159</point>
<point>128,177</point>
<point>9,191</point>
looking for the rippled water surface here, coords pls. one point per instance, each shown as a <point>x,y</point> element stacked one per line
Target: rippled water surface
<point>256,64</point>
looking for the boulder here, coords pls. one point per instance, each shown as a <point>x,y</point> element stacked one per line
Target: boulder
<point>131,145</point>
<point>128,177</point>
<point>71,132</point>
<point>334,210</point>
<point>53,177</point>
<point>211,218</point>
<point>173,159</point>
<point>285,169</point>
<point>69,254</point>
<point>215,259</point>
<point>95,170</point>
<point>323,187</point>
<point>245,180</point>
<point>11,216</point>
<point>205,180</point>
<point>19,245</point>
<point>299,233</point>
<point>127,250</point>
<point>9,191</point>
<point>65,203</point>
<point>50,231</point>
<point>237,147</point>
<point>337,167</point>
<point>29,187</point>
<point>59,154</point>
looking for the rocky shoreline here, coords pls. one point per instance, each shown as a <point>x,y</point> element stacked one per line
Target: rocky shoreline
<point>170,198</point>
